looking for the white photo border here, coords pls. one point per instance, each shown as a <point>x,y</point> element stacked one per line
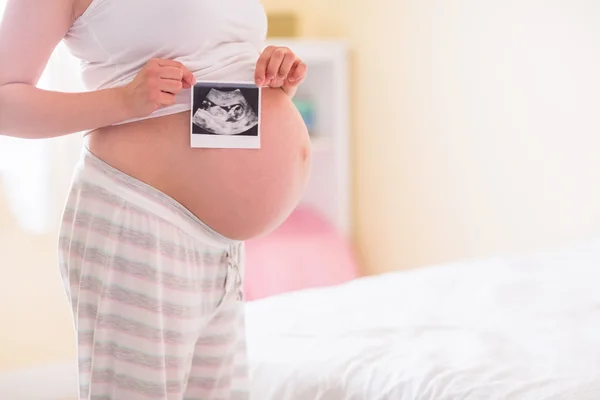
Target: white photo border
<point>225,141</point>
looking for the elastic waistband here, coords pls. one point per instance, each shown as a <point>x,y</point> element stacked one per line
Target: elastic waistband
<point>132,190</point>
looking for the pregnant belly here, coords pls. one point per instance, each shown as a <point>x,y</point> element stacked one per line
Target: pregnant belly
<point>240,193</point>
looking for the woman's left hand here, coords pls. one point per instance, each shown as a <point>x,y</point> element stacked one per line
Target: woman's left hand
<point>278,67</point>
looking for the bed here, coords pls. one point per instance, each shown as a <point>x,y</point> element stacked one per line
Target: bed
<point>513,327</point>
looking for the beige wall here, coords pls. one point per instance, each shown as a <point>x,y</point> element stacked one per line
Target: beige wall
<point>474,132</point>
<point>475,128</point>
<point>34,320</point>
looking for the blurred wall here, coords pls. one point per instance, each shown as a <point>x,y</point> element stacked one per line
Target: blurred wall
<point>475,127</point>
<point>35,326</point>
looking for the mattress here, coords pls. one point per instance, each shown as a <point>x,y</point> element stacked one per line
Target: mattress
<point>523,327</point>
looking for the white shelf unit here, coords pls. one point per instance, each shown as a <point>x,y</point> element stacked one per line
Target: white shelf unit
<point>327,86</point>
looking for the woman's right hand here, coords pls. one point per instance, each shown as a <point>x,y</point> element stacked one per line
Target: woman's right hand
<point>155,86</point>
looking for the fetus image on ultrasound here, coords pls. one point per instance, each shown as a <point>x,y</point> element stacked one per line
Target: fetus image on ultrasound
<point>221,110</point>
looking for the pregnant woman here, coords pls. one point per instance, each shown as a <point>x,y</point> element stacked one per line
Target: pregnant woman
<point>152,235</point>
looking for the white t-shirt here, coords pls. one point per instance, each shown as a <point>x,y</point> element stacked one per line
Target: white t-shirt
<point>218,40</point>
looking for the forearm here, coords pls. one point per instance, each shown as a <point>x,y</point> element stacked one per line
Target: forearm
<point>32,113</point>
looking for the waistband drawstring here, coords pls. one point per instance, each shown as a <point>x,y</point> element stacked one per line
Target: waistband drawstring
<point>234,277</point>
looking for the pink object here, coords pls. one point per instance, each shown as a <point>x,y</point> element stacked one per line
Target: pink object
<point>305,252</point>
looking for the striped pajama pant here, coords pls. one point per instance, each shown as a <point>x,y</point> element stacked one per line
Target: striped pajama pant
<point>155,293</point>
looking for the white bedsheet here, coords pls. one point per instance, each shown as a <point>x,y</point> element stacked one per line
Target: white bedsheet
<point>525,328</point>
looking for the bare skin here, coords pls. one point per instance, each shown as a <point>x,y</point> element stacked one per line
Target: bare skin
<point>239,193</point>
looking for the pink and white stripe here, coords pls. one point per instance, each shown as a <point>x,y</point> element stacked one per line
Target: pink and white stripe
<point>154,293</point>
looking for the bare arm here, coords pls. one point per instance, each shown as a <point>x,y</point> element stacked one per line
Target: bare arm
<point>29,33</point>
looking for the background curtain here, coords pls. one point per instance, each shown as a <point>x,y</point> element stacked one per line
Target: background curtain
<point>35,174</point>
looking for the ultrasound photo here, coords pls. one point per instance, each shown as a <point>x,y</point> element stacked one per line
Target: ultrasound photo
<point>225,115</point>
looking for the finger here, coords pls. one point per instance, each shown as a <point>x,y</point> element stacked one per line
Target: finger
<point>275,63</point>
<point>261,65</point>
<point>165,62</point>
<point>170,72</point>
<point>188,77</point>
<point>298,72</point>
<point>185,73</point>
<point>277,82</point>
<point>166,99</point>
<point>288,62</point>
<point>170,86</point>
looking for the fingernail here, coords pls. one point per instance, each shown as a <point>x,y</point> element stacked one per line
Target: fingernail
<point>259,82</point>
